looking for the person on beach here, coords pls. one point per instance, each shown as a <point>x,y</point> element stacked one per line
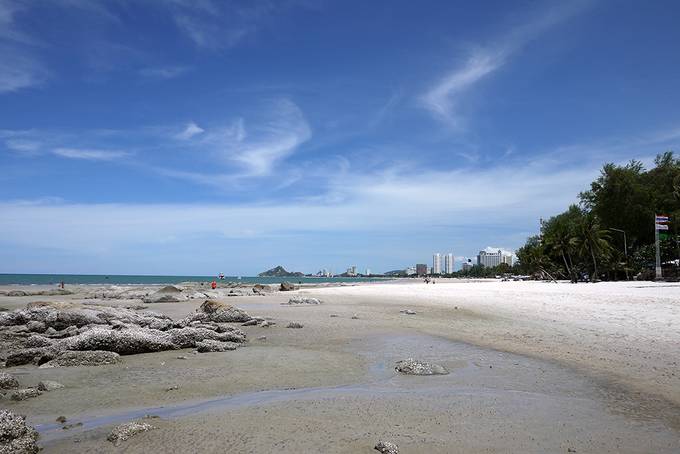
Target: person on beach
<point>213,285</point>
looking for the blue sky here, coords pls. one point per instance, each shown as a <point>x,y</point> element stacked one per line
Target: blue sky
<point>193,137</point>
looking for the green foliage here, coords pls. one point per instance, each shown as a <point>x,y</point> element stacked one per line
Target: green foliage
<point>587,239</point>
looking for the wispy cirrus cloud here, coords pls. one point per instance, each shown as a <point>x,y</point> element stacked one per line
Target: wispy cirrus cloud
<point>443,97</point>
<point>191,130</point>
<point>90,154</point>
<point>164,72</point>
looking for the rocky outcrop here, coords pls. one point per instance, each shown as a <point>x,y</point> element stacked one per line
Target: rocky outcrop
<point>217,312</point>
<point>295,325</point>
<point>87,358</point>
<point>215,346</point>
<point>412,366</point>
<point>287,287</point>
<point>190,337</point>
<point>8,381</point>
<point>128,430</point>
<point>279,271</point>
<point>301,300</point>
<point>167,294</point>
<point>127,341</point>
<point>386,447</point>
<point>30,356</point>
<point>15,436</point>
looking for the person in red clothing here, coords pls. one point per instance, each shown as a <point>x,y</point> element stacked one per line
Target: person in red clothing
<point>213,284</point>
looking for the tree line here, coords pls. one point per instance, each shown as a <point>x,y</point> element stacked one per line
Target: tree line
<point>609,234</point>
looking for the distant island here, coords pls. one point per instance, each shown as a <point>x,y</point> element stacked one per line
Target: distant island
<point>280,271</point>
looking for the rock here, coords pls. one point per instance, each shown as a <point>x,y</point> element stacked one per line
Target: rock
<point>249,323</point>
<point>172,388</point>
<point>49,385</point>
<point>36,341</point>
<point>301,300</point>
<point>295,325</point>
<point>36,326</point>
<point>128,430</point>
<point>167,294</point>
<point>334,315</point>
<point>266,324</point>
<point>189,337</point>
<point>125,341</point>
<point>30,356</point>
<point>411,366</point>
<point>408,312</point>
<point>23,394</point>
<point>15,436</point>
<point>61,419</point>
<point>262,338</point>
<point>215,346</point>
<point>85,358</point>
<point>355,317</point>
<point>182,357</point>
<point>8,381</point>
<point>216,312</point>
<point>16,293</point>
<point>287,287</point>
<point>386,447</point>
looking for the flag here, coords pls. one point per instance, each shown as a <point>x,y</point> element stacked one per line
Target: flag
<point>660,218</point>
<point>661,227</point>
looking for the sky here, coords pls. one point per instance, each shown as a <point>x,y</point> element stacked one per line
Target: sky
<point>197,137</point>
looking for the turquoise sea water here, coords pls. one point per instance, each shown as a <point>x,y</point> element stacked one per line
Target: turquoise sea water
<point>120,279</point>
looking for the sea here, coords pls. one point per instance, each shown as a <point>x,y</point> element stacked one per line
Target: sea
<point>133,279</point>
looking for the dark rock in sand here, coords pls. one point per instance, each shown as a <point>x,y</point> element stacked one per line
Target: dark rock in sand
<point>408,312</point>
<point>8,381</point>
<point>217,312</point>
<point>15,436</point>
<point>86,358</point>
<point>386,447</point>
<point>412,366</point>
<point>125,341</point>
<point>128,430</point>
<point>297,300</point>
<point>295,325</point>
<point>250,323</point>
<point>287,287</point>
<point>215,346</point>
<point>49,385</point>
<point>30,356</point>
<point>23,394</point>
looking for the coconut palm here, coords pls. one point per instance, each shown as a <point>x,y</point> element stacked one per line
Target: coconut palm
<point>592,240</point>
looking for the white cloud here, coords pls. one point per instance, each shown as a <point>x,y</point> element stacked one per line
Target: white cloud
<point>89,154</point>
<point>441,98</point>
<point>190,131</point>
<point>29,147</point>
<point>164,72</point>
<point>19,71</point>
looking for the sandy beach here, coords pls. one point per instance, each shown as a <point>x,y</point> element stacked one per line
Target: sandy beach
<point>533,367</point>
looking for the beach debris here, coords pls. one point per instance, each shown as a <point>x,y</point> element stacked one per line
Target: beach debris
<point>355,317</point>
<point>295,325</point>
<point>386,447</point>
<point>181,357</point>
<point>172,388</point>
<point>215,346</point>
<point>167,294</point>
<point>83,358</point>
<point>49,385</point>
<point>301,300</point>
<point>334,315</point>
<point>262,338</point>
<point>408,312</point>
<point>412,366</point>
<point>124,432</point>
<point>23,394</point>
<point>8,381</point>
<point>287,287</point>
<point>15,435</point>
<point>61,419</point>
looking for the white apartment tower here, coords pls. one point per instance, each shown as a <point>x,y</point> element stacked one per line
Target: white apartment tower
<point>437,263</point>
<point>448,263</point>
<point>491,259</point>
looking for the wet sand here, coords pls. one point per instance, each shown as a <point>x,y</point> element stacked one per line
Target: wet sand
<point>535,367</point>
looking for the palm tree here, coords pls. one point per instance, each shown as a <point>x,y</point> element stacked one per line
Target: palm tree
<point>592,240</point>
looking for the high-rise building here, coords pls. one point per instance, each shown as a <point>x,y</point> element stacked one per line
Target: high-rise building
<point>491,259</point>
<point>437,263</point>
<point>368,272</point>
<point>448,263</point>
<point>421,269</point>
<point>352,270</point>
<point>467,265</point>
